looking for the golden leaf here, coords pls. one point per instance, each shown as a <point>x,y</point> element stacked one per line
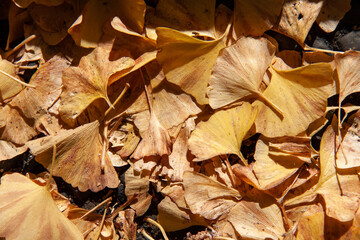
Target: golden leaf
<point>31,209</point>
<point>301,98</point>
<point>187,61</point>
<point>222,133</point>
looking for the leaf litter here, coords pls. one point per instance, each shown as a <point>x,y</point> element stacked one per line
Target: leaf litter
<point>160,99</point>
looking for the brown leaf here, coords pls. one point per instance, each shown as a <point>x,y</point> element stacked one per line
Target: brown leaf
<point>331,13</point>
<point>79,158</point>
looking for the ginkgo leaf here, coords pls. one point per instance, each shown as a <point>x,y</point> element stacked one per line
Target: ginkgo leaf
<point>88,28</point>
<point>156,141</point>
<point>331,13</point>
<point>277,159</point>
<point>301,94</point>
<point>35,102</point>
<point>14,127</point>
<point>255,17</point>
<point>9,150</point>
<point>187,61</point>
<point>78,159</point>
<point>187,16</point>
<point>297,17</point>
<point>311,224</point>
<point>258,218</point>
<point>53,21</point>
<point>341,191</point>
<point>92,76</point>
<point>348,68</point>
<point>8,87</point>
<point>207,197</point>
<point>223,133</point>
<point>348,155</point>
<point>239,70</point>
<point>29,212</point>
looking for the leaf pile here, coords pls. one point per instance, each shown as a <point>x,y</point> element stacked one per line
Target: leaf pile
<point>176,92</point>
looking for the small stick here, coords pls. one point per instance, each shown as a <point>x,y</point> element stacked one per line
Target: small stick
<point>96,207</point>
<point>127,86</point>
<point>143,232</point>
<point>15,79</point>
<point>149,220</point>
<point>102,222</point>
<point>11,52</point>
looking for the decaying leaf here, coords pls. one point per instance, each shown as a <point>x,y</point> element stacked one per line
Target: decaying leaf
<point>222,133</point>
<point>8,87</point>
<point>78,159</point>
<point>331,13</point>
<point>30,208</point>
<point>206,197</point>
<point>92,76</point>
<point>297,18</point>
<point>9,150</point>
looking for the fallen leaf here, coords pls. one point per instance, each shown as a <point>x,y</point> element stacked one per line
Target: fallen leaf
<point>9,150</point>
<point>79,158</point>
<point>92,77</point>
<point>126,224</point>
<point>239,70</point>
<point>253,18</point>
<point>331,13</point>
<point>26,3</point>
<point>31,209</point>
<point>222,133</point>
<point>8,87</point>
<point>187,61</point>
<point>88,28</point>
<point>285,91</point>
<point>347,65</point>
<point>297,17</point>
<point>197,18</point>
<point>206,197</point>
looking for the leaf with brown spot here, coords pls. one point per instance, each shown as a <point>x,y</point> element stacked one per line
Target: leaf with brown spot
<point>79,157</point>
<point>84,84</point>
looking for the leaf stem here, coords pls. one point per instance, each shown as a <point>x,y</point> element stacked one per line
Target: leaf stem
<point>16,80</point>
<point>149,220</point>
<point>272,105</point>
<point>12,51</point>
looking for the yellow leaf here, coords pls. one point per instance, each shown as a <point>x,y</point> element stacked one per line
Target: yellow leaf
<point>187,61</point>
<point>255,17</point>
<point>222,133</point>
<point>8,87</point>
<point>88,28</point>
<point>29,212</point>
<point>301,94</point>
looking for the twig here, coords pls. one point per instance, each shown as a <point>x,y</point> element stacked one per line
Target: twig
<point>11,52</point>
<point>96,207</point>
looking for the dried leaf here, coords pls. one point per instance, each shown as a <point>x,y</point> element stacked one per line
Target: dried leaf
<point>331,14</point>
<point>31,209</point>
<point>301,99</point>
<point>9,150</point>
<point>79,158</point>
<point>88,28</point>
<point>223,133</point>
<point>253,18</point>
<point>8,87</point>
<point>206,197</point>
<point>187,61</point>
<point>92,77</point>
<point>239,70</point>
